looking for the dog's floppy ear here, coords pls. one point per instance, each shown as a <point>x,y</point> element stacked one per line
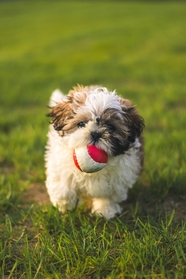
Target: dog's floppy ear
<point>59,109</point>
<point>63,108</point>
<point>60,114</point>
<point>134,122</point>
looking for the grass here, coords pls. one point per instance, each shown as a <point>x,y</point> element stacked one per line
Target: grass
<point>138,48</point>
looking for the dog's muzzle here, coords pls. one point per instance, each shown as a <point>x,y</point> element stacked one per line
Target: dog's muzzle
<point>95,136</point>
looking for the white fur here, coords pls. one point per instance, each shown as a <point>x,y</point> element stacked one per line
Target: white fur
<point>107,187</point>
<point>56,98</point>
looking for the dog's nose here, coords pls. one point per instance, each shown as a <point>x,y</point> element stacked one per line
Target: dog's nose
<point>95,136</point>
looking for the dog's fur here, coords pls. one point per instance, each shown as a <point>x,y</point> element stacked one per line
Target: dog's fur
<point>93,115</point>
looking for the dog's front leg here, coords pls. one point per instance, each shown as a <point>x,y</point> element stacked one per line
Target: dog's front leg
<point>105,207</point>
<point>64,200</point>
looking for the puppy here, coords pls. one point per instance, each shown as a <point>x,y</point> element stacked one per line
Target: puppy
<point>93,116</point>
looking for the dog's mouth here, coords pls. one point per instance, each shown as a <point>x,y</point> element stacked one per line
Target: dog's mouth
<point>112,144</point>
<point>99,138</point>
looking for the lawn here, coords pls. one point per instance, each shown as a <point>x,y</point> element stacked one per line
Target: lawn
<point>137,48</point>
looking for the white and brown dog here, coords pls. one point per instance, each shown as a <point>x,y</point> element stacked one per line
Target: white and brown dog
<point>93,116</point>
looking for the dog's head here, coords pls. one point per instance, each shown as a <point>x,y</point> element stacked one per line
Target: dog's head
<point>93,115</point>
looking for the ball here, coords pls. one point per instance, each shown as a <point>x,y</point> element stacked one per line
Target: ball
<point>90,158</point>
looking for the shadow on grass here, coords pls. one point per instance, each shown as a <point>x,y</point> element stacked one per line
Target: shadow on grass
<point>148,203</point>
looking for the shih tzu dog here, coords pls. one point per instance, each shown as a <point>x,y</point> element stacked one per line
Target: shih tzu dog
<point>93,116</point>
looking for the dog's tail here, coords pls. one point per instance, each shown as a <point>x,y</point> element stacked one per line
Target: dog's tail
<point>57,97</point>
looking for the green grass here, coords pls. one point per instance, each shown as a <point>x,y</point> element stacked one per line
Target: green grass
<point>138,48</point>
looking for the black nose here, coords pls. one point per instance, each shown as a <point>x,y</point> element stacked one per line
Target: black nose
<point>95,136</point>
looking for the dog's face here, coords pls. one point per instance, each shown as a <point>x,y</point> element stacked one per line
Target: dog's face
<point>93,115</point>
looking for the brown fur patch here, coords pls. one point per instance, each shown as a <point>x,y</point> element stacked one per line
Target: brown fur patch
<point>134,122</point>
<point>114,131</point>
<point>82,89</point>
<point>72,125</point>
<point>77,96</point>
<point>63,114</point>
<point>114,117</point>
<point>60,114</point>
<point>78,88</point>
<point>135,125</point>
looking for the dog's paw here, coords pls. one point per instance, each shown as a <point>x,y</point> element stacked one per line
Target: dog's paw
<point>106,208</point>
<point>64,205</point>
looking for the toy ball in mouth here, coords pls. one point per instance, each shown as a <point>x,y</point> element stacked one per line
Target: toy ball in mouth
<point>90,158</point>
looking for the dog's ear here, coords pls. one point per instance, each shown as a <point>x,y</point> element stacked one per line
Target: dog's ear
<point>60,114</point>
<point>134,122</point>
<point>64,108</point>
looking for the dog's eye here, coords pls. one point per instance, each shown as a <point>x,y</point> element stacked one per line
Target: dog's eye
<point>111,127</point>
<point>81,124</point>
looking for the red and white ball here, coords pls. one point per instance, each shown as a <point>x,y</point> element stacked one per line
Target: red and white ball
<point>90,158</point>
